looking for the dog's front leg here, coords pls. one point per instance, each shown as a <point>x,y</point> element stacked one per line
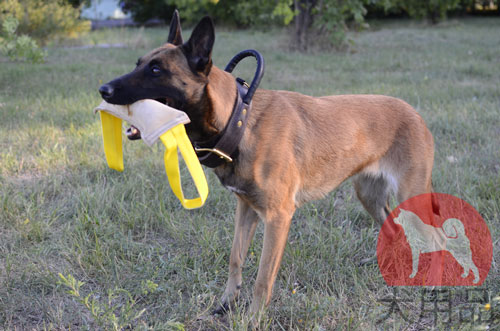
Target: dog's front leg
<point>245,224</point>
<point>277,225</point>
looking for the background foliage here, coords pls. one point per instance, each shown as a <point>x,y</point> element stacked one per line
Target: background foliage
<point>16,47</point>
<point>45,20</point>
<point>315,21</point>
<point>235,12</point>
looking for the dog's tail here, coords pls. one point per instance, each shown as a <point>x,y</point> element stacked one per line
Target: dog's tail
<point>453,228</point>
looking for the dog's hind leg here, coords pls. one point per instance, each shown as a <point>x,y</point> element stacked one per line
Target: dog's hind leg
<point>415,176</point>
<point>245,225</point>
<point>373,192</point>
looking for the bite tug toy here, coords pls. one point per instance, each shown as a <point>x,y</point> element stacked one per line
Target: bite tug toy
<point>155,121</point>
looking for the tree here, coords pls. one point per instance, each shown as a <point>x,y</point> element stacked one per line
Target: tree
<point>327,17</point>
<point>303,22</point>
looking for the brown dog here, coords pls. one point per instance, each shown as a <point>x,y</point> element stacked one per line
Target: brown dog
<point>295,148</point>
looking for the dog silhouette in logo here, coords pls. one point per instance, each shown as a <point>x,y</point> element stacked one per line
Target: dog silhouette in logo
<point>424,238</point>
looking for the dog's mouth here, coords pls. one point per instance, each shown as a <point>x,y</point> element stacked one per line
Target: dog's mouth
<point>134,133</point>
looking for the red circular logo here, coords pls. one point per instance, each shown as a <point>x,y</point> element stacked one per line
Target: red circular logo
<point>434,239</point>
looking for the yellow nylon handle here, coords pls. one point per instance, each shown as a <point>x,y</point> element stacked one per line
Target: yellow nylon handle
<point>112,140</point>
<point>176,137</point>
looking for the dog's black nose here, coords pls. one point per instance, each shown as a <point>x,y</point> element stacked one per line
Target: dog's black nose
<point>106,91</point>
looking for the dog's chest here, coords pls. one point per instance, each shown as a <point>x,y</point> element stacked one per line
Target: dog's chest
<point>233,181</point>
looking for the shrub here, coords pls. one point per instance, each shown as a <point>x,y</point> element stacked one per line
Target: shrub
<point>434,10</point>
<point>18,47</point>
<point>245,13</point>
<point>45,20</point>
<point>144,10</point>
<point>238,12</point>
<point>327,21</point>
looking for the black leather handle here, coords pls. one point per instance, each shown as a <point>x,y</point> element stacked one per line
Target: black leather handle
<point>259,72</point>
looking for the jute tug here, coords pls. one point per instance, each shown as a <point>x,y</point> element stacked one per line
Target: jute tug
<point>155,121</point>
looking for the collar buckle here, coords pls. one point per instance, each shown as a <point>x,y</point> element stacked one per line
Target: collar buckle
<point>221,154</point>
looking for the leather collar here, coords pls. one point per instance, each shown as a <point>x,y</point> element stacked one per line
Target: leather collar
<point>223,147</point>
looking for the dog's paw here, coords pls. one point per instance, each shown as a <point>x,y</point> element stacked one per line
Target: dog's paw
<point>221,310</point>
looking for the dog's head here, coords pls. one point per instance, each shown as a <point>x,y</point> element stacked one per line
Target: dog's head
<point>175,73</point>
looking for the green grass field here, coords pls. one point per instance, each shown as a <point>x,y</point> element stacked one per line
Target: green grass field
<point>147,263</point>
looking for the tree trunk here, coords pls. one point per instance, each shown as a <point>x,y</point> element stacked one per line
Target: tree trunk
<point>303,22</point>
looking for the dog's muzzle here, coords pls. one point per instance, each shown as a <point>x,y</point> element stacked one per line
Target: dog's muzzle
<point>106,91</point>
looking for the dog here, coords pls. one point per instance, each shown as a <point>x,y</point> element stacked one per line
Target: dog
<point>295,148</point>
<point>424,238</point>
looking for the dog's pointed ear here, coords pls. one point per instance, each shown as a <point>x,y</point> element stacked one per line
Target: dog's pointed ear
<point>198,48</point>
<point>175,34</point>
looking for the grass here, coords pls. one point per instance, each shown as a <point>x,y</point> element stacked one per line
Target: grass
<point>142,260</point>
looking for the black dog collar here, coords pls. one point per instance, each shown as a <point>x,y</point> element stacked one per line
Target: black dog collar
<point>224,146</point>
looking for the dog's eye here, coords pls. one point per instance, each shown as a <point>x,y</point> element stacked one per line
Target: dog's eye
<point>155,70</point>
